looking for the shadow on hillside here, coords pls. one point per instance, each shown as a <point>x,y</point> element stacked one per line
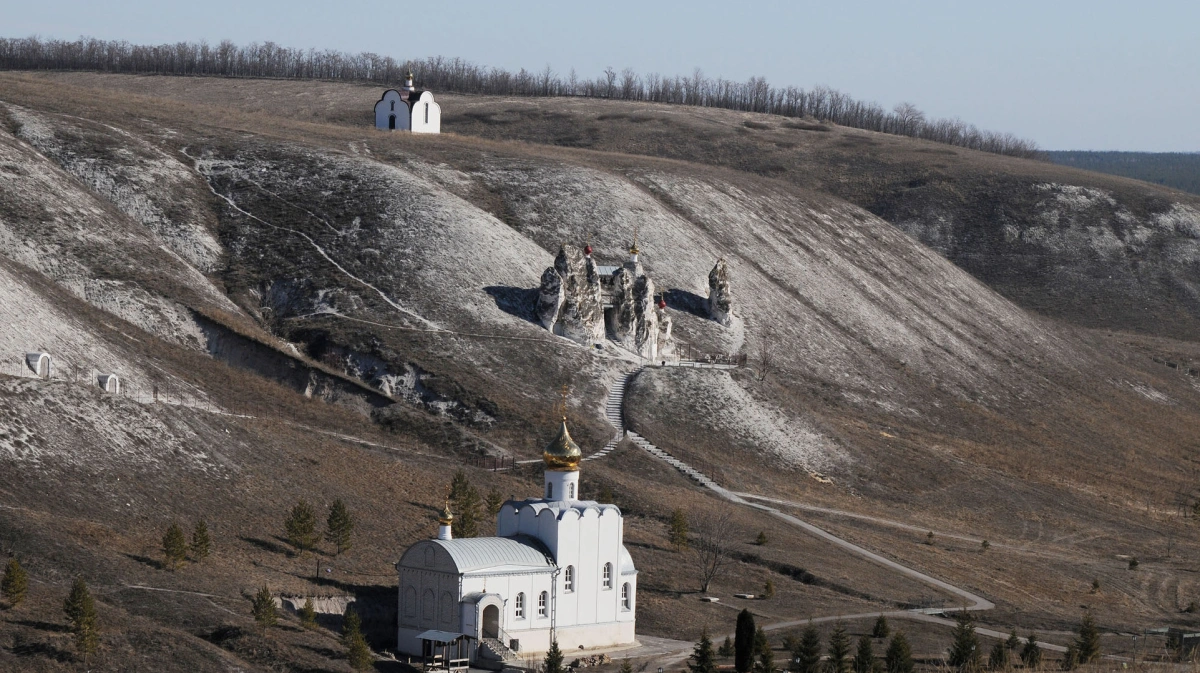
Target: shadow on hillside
<point>41,650</point>
<point>265,545</point>
<point>516,301</point>
<point>145,560</point>
<point>688,302</point>
<point>42,626</point>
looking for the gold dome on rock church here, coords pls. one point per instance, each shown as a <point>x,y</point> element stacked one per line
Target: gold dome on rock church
<point>562,454</point>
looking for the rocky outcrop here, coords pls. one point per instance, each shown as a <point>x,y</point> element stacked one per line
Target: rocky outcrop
<point>633,318</point>
<point>720,298</point>
<point>568,301</point>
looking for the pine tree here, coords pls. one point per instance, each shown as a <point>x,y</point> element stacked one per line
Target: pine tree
<point>703,659</point>
<point>839,650</point>
<point>998,659</point>
<point>201,542</point>
<point>964,650</point>
<point>605,496</point>
<point>1031,654</point>
<point>769,589</point>
<point>743,642</point>
<point>357,650</point>
<point>677,530</point>
<point>1088,643</point>
<point>761,642</point>
<point>80,609</point>
<point>553,663</point>
<point>339,526</point>
<point>494,501</point>
<point>881,629</point>
<point>766,660</point>
<point>762,538</point>
<point>808,654</point>
<point>301,527</point>
<point>263,608</point>
<point>627,665</point>
<point>174,546</point>
<point>466,520</point>
<point>898,658</point>
<point>15,583</point>
<point>864,658</point>
<point>726,648</point>
<point>1013,642</point>
<point>308,615</point>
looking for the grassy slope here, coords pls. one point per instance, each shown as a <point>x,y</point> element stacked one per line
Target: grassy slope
<point>943,405</point>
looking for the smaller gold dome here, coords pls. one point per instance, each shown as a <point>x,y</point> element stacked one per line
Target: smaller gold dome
<point>447,517</point>
<point>562,454</point>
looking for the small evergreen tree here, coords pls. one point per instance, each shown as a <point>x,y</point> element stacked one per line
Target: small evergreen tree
<point>1070,658</point>
<point>174,546</point>
<point>494,501</point>
<point>881,629</point>
<point>263,608</point>
<point>766,660</point>
<point>1095,585</point>
<point>201,541</point>
<point>553,663</point>
<point>762,538</point>
<point>301,527</point>
<point>726,648</point>
<point>998,658</point>
<point>357,650</point>
<point>1088,643</point>
<point>467,506</point>
<point>308,615</point>
<point>1133,563</point>
<point>1013,642</point>
<point>339,526</point>
<point>986,545</point>
<point>1031,654</point>
<point>703,659</point>
<point>15,583</point>
<point>605,496</point>
<point>769,589</point>
<point>761,642</point>
<point>964,650</point>
<point>929,538</point>
<point>898,658</point>
<point>808,655</point>
<point>627,665</point>
<point>839,650</point>
<point>80,609</point>
<point>864,657</point>
<point>677,530</point>
<point>743,642</point>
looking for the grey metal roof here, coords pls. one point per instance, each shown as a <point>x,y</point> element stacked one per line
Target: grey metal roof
<point>441,636</point>
<point>483,553</point>
<point>606,270</point>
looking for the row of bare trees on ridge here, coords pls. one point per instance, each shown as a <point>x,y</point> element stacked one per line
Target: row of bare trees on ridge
<point>456,75</point>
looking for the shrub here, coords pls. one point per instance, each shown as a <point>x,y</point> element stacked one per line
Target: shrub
<point>15,583</point>
<point>762,538</point>
<point>1133,563</point>
<point>769,589</point>
<point>986,545</point>
<point>929,538</point>
<point>1095,585</point>
<point>1031,654</point>
<point>308,615</point>
<point>998,659</point>
<point>881,629</point>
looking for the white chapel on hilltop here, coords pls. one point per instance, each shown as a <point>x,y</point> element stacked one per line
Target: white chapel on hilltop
<point>557,570</point>
<point>408,109</point>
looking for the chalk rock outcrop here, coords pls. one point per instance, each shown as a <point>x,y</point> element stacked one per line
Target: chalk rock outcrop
<point>568,301</point>
<point>720,298</point>
<point>633,318</point>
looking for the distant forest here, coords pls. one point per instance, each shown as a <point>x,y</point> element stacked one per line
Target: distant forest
<point>455,75</point>
<point>1180,170</point>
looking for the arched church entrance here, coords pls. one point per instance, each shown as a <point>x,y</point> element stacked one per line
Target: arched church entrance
<point>491,622</point>
<point>392,122</point>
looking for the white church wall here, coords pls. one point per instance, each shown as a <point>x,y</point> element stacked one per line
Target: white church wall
<point>392,105</point>
<point>426,114</point>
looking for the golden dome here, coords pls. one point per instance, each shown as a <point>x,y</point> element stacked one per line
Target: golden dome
<point>447,517</point>
<point>562,454</point>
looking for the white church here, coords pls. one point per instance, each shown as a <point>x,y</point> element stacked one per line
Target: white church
<point>408,110</point>
<point>557,570</point>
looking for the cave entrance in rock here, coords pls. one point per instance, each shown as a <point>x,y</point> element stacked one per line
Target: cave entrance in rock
<point>491,622</point>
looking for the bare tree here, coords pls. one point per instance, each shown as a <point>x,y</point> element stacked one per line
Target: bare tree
<point>712,535</point>
<point>766,354</point>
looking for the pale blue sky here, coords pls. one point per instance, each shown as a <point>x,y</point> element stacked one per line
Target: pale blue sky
<point>1069,75</point>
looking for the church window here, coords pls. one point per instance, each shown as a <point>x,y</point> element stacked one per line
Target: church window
<point>626,599</point>
<point>569,577</point>
<point>543,598</point>
<point>427,113</point>
<point>393,106</point>
<point>571,490</point>
<point>520,606</point>
<point>607,575</point>
<point>549,491</point>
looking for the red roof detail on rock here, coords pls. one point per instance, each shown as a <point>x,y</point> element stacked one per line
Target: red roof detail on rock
<point>587,249</point>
